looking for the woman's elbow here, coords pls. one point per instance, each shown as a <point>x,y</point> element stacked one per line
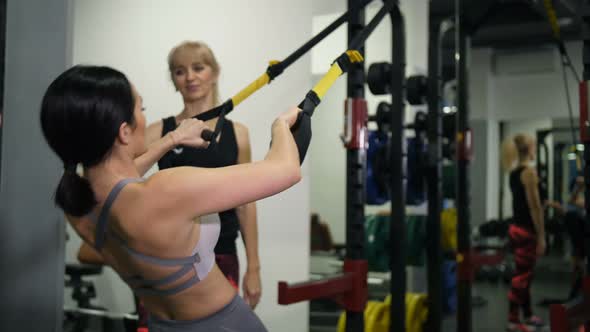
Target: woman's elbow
<point>296,175</point>
<point>85,259</point>
<point>537,209</point>
<point>292,174</point>
<point>80,257</point>
<point>86,256</point>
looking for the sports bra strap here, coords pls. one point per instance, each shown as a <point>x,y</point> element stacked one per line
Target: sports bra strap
<point>103,217</point>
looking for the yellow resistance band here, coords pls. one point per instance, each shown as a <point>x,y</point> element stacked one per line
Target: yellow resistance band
<point>552,18</point>
<point>332,75</point>
<point>253,87</point>
<point>320,89</point>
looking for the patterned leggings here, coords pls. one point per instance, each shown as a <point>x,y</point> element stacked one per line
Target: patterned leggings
<point>523,242</point>
<point>230,266</point>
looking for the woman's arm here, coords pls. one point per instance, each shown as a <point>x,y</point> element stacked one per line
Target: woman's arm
<point>556,206</point>
<point>157,147</point>
<point>248,226</point>
<point>88,255</point>
<point>188,133</point>
<point>577,196</point>
<point>531,184</point>
<point>185,192</point>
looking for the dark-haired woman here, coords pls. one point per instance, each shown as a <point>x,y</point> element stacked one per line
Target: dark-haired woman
<point>158,234</point>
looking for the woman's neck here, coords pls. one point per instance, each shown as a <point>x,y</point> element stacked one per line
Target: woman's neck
<point>113,169</point>
<point>196,107</point>
<point>524,162</point>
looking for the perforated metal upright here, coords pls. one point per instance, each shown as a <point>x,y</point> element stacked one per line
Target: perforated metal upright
<point>356,161</point>
<point>463,141</point>
<point>585,138</point>
<point>397,226</point>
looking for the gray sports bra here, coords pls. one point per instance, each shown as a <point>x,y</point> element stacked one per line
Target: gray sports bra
<point>201,260</point>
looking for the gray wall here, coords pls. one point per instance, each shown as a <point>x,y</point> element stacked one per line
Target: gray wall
<point>32,229</point>
<point>478,172</point>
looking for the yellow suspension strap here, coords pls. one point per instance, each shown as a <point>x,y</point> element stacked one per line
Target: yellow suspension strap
<point>565,62</point>
<point>555,29</point>
<point>221,110</point>
<point>274,69</point>
<point>302,128</point>
<point>261,81</point>
<point>552,17</point>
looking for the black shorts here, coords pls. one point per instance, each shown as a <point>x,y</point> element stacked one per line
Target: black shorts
<point>574,224</point>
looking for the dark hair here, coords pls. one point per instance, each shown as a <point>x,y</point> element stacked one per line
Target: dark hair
<point>81,113</point>
<point>315,218</point>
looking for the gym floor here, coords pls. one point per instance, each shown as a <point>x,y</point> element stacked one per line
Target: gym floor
<point>492,316</point>
<point>552,281</point>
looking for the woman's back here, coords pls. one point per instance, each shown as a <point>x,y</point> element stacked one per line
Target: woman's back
<point>167,262</point>
<point>93,117</point>
<point>521,211</point>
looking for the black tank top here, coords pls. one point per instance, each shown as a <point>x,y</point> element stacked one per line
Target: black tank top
<point>225,154</point>
<point>520,208</point>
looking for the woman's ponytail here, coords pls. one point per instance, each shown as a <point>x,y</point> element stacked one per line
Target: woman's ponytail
<point>509,154</point>
<point>74,194</point>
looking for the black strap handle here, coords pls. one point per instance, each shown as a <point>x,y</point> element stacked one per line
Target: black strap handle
<point>207,135</point>
<point>224,108</point>
<point>301,130</point>
<point>220,111</point>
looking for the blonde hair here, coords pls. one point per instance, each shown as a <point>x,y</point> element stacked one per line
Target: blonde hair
<point>515,148</point>
<point>205,54</point>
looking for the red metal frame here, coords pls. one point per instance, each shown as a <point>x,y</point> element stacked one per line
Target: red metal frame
<point>355,124</point>
<point>583,89</point>
<point>473,260</point>
<point>465,145</point>
<point>568,316</point>
<point>350,290</point>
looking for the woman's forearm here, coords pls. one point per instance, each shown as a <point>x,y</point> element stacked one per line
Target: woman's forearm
<point>155,152</point>
<point>283,146</point>
<point>249,230</point>
<point>537,215</point>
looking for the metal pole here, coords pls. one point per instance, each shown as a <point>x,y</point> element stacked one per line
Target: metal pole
<point>585,138</point>
<point>2,61</point>
<point>434,183</point>
<point>397,232</point>
<point>464,314</point>
<point>355,167</point>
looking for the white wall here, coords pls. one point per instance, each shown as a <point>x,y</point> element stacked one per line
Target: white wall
<point>136,35</point>
<point>481,85</point>
<point>328,162</point>
<point>492,170</point>
<point>484,166</point>
<point>537,95</point>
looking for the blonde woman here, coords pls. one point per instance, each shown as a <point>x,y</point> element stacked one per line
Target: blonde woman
<point>527,231</point>
<point>195,72</point>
